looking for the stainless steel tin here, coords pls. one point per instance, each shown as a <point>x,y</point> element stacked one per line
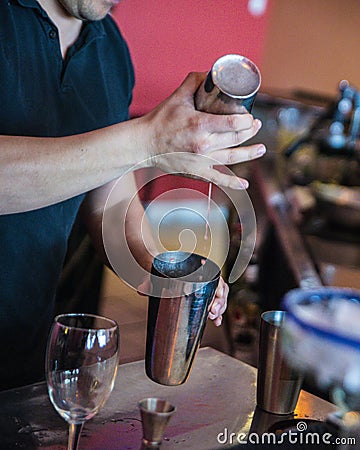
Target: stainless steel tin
<point>184,285</point>
<point>230,87</point>
<point>278,384</point>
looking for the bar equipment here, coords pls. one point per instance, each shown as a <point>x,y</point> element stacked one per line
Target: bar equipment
<point>278,383</point>
<point>335,135</point>
<point>184,285</point>
<point>82,357</point>
<point>230,86</point>
<point>322,337</point>
<point>307,211</point>
<point>155,415</point>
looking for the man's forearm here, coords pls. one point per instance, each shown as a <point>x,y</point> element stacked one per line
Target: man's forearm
<point>36,172</point>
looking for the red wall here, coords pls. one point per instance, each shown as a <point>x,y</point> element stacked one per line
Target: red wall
<point>169,38</point>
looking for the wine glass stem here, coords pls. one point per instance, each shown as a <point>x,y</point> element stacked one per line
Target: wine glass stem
<point>74,435</point>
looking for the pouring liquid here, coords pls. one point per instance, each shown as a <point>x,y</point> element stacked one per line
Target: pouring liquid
<point>229,88</point>
<point>206,234</point>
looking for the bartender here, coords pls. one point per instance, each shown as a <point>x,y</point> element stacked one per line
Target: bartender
<point>65,88</point>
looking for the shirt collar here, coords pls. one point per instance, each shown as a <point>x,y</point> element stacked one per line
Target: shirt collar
<point>95,29</point>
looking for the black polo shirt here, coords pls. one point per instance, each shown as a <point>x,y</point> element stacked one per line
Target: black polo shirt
<point>42,95</point>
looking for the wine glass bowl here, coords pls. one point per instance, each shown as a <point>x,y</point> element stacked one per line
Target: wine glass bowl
<point>81,364</point>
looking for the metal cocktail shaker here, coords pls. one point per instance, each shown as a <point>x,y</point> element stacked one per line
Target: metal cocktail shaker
<point>230,87</point>
<point>184,285</point>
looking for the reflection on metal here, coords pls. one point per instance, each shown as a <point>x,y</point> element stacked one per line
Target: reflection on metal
<point>184,285</point>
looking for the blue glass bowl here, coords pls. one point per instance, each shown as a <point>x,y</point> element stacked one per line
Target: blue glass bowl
<point>322,335</point>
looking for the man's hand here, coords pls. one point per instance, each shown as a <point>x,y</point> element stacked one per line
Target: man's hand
<point>177,135</point>
<point>219,304</point>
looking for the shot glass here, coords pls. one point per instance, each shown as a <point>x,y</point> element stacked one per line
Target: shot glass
<point>155,415</point>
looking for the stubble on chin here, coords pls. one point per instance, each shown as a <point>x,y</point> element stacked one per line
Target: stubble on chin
<point>84,10</point>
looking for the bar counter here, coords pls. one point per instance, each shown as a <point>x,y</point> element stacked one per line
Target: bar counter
<point>219,398</point>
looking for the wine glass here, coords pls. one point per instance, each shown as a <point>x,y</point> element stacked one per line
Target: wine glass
<point>82,357</point>
<point>322,338</point>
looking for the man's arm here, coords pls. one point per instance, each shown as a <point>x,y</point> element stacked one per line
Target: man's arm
<point>36,172</point>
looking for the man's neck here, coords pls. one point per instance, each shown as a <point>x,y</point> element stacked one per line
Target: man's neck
<point>69,27</point>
